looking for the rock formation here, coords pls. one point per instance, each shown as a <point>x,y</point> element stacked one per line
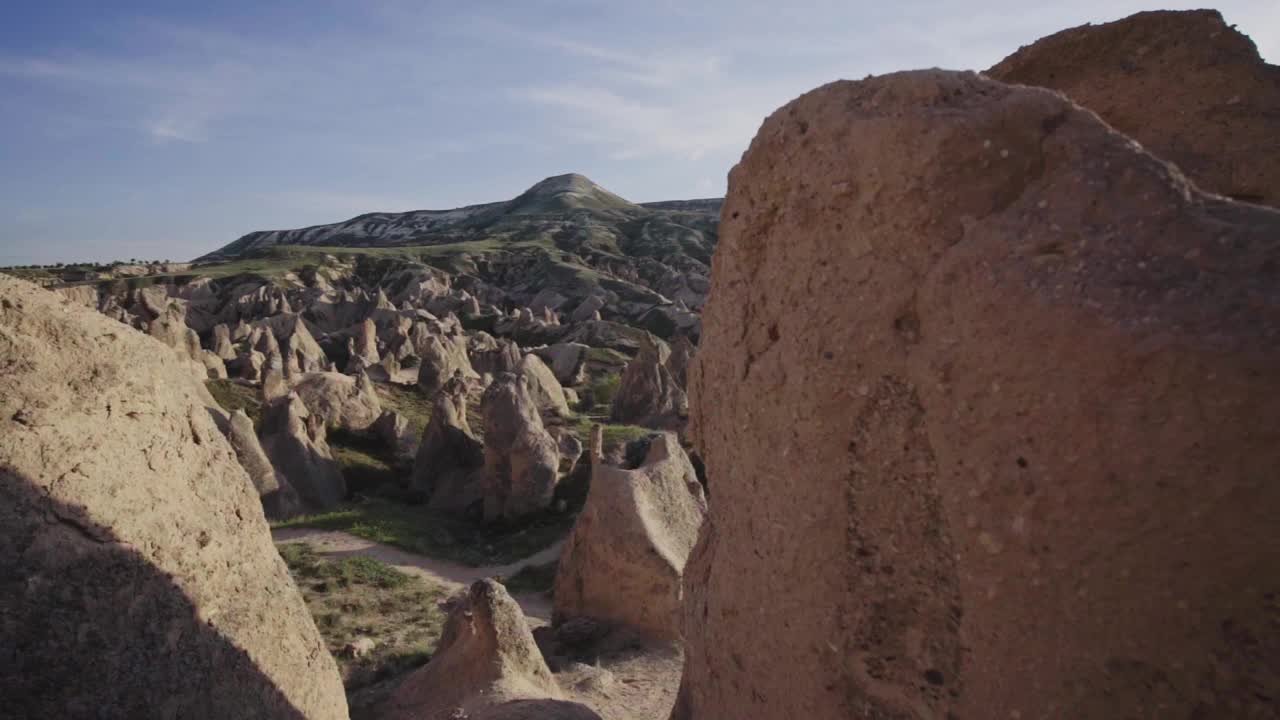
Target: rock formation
<point>648,393</point>
<point>137,578</point>
<point>486,658</point>
<point>1023,467</point>
<point>279,500</point>
<point>543,386</point>
<point>567,360</point>
<point>521,459</point>
<point>296,443</point>
<point>449,455</point>
<point>341,401</point>
<point>221,343</point>
<point>442,355</point>
<point>624,560</point>
<point>365,343</point>
<point>1190,88</point>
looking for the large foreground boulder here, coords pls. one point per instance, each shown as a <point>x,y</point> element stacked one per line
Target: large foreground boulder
<point>1190,88</point>
<point>521,459</point>
<point>1025,466</point>
<point>486,658</point>
<point>625,558</point>
<point>137,574</point>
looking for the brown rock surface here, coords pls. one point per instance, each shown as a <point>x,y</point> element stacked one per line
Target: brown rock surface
<point>137,574</point>
<point>486,658</point>
<point>1188,87</point>
<point>624,560</point>
<point>1025,466</point>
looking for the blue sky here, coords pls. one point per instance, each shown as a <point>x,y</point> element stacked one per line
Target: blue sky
<point>166,129</point>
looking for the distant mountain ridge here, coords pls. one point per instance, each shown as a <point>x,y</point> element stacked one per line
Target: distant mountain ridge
<point>571,199</point>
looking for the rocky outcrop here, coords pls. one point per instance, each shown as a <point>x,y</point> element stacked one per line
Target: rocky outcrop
<point>449,455</point>
<point>625,558</point>
<point>587,309</point>
<point>296,443</point>
<point>1190,88</point>
<point>279,500</point>
<point>521,459</point>
<point>441,356</point>
<point>170,328</point>
<point>649,393</point>
<point>486,658</point>
<point>301,352</point>
<point>365,343</point>
<point>1022,468</point>
<point>340,401</point>
<point>567,360</point>
<point>137,578</point>
<point>493,355</point>
<point>546,391</point>
<point>221,344</point>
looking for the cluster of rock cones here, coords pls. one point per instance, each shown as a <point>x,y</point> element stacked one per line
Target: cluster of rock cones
<point>1024,467</point>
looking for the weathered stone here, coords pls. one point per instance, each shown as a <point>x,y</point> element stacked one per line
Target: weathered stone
<point>449,455</point>
<point>1190,88</point>
<point>137,574</point>
<point>521,459</point>
<point>624,560</point>
<point>649,393</point>
<point>1022,467</point>
<point>296,443</point>
<point>486,658</point>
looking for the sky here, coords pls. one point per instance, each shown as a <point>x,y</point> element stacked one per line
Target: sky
<point>164,129</point>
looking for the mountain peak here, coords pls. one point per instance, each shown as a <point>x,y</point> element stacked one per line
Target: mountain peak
<point>567,192</point>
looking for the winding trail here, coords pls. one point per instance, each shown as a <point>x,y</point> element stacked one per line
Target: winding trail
<point>452,576</point>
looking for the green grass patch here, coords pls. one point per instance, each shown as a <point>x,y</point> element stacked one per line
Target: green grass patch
<point>615,435</point>
<point>441,535</point>
<point>603,390</point>
<point>607,356</point>
<point>412,404</point>
<point>233,396</point>
<point>354,597</point>
<point>532,578</point>
<point>367,464</point>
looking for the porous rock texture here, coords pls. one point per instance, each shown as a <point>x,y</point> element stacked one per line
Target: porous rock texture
<point>1190,88</point>
<point>1025,466</point>
<point>137,574</point>
<point>625,558</point>
<point>521,459</point>
<point>486,658</point>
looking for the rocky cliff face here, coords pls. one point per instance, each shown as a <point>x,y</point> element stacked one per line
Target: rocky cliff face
<point>137,574</point>
<point>1023,468</point>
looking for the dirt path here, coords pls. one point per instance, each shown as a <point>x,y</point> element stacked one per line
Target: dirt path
<point>338,544</point>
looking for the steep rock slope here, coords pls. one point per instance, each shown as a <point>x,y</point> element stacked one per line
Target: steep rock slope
<point>137,574</point>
